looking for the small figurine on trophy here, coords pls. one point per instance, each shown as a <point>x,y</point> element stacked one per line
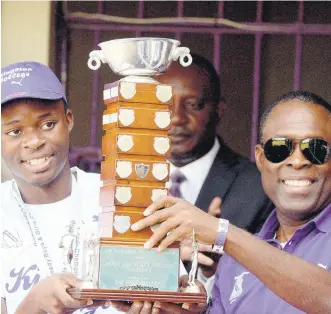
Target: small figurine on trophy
<point>68,245</point>
<point>91,242</point>
<point>191,285</point>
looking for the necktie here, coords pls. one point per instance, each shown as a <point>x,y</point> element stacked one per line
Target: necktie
<point>177,178</point>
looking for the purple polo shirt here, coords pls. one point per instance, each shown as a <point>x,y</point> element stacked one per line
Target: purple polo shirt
<point>237,291</point>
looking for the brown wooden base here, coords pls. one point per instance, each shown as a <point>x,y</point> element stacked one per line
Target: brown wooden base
<point>135,295</point>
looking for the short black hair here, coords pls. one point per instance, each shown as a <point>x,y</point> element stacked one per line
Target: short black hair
<point>305,96</point>
<point>213,78</point>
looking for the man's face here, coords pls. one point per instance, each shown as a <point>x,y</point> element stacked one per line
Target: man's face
<point>35,139</point>
<point>298,188</point>
<point>193,117</point>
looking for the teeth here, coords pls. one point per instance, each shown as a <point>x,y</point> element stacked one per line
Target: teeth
<point>37,161</point>
<point>298,182</point>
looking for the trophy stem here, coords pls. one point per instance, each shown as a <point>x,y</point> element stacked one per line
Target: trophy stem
<point>139,79</point>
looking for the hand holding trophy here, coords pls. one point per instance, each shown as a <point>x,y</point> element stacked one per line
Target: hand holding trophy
<point>134,173</point>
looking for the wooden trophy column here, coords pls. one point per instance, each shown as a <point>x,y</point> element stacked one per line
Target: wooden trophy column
<point>135,169</point>
<point>134,173</point>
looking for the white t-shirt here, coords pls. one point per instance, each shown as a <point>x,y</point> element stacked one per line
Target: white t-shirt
<point>22,263</point>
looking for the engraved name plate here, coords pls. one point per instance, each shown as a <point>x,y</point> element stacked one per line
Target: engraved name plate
<point>127,267</point>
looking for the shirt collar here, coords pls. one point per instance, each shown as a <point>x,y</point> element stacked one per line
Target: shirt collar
<point>322,222</point>
<point>200,167</point>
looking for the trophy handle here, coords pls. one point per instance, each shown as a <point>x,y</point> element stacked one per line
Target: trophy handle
<point>95,59</point>
<point>181,53</point>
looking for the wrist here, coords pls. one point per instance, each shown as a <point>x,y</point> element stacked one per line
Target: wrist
<point>29,305</point>
<point>222,231</point>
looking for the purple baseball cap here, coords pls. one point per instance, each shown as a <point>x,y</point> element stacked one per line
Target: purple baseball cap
<point>30,80</point>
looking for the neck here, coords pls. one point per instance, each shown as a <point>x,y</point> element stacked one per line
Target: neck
<point>200,150</point>
<point>287,228</point>
<point>55,191</point>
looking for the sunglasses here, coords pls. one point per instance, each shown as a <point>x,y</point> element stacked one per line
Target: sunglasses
<point>316,150</point>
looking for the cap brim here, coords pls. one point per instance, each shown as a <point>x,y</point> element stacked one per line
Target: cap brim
<point>40,95</point>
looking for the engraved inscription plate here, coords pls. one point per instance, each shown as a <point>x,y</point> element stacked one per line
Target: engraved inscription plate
<point>162,119</point>
<point>122,223</point>
<point>161,144</point>
<point>125,142</point>
<point>141,170</point>
<point>156,193</point>
<point>126,267</point>
<point>123,168</point>
<point>128,89</point>
<point>160,171</point>
<point>163,93</point>
<point>126,116</point>
<point>123,194</point>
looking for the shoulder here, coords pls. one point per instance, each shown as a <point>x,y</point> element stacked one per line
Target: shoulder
<point>87,178</point>
<point>240,165</point>
<point>6,195</point>
<point>6,186</point>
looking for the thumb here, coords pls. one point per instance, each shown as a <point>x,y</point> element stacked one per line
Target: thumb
<point>215,207</point>
<point>71,280</point>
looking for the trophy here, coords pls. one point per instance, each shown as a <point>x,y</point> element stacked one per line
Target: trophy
<point>134,173</point>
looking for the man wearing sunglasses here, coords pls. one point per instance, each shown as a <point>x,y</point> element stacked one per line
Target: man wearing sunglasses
<point>286,267</point>
<point>203,169</point>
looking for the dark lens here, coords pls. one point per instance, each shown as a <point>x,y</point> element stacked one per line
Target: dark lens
<point>277,149</point>
<point>316,150</point>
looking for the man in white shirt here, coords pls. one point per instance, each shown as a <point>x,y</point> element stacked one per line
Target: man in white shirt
<point>204,170</point>
<point>45,200</point>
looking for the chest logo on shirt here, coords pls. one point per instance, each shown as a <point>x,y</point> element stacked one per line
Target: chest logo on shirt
<point>237,287</point>
<point>25,276</point>
<point>322,265</point>
<point>9,240</point>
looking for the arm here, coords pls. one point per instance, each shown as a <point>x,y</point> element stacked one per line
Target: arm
<point>50,296</point>
<point>298,282</point>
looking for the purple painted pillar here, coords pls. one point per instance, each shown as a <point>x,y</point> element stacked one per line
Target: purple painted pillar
<point>298,50</point>
<point>95,88</point>
<point>217,40</point>
<point>180,10</point>
<point>256,83</point>
<point>140,15</point>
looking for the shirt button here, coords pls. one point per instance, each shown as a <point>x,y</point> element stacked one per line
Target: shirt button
<point>290,243</point>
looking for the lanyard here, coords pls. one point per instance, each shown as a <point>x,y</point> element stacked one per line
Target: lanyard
<point>37,237</point>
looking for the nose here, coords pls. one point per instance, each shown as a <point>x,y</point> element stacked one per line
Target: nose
<point>297,160</point>
<point>33,141</point>
<point>178,113</point>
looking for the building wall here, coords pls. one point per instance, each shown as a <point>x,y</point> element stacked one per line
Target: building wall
<point>25,35</point>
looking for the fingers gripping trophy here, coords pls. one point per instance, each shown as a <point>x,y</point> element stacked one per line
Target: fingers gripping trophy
<point>134,173</point>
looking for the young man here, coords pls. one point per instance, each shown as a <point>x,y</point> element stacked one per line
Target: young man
<point>286,268</point>
<point>46,201</point>
<point>203,167</point>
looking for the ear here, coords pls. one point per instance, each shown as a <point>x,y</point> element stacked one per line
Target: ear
<point>221,109</point>
<point>259,155</point>
<point>69,119</point>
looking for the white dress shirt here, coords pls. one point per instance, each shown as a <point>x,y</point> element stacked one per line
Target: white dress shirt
<point>195,173</point>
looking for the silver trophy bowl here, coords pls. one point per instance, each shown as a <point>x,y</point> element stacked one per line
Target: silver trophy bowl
<point>139,58</point>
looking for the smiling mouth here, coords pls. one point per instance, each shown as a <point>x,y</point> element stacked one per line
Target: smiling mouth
<point>38,161</point>
<point>298,183</point>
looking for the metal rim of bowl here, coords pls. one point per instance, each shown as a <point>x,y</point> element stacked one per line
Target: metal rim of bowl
<point>123,40</point>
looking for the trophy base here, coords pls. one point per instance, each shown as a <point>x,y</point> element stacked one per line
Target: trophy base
<point>88,285</point>
<point>136,295</point>
<point>139,79</point>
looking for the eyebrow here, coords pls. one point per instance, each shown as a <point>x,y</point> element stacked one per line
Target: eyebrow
<point>43,116</point>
